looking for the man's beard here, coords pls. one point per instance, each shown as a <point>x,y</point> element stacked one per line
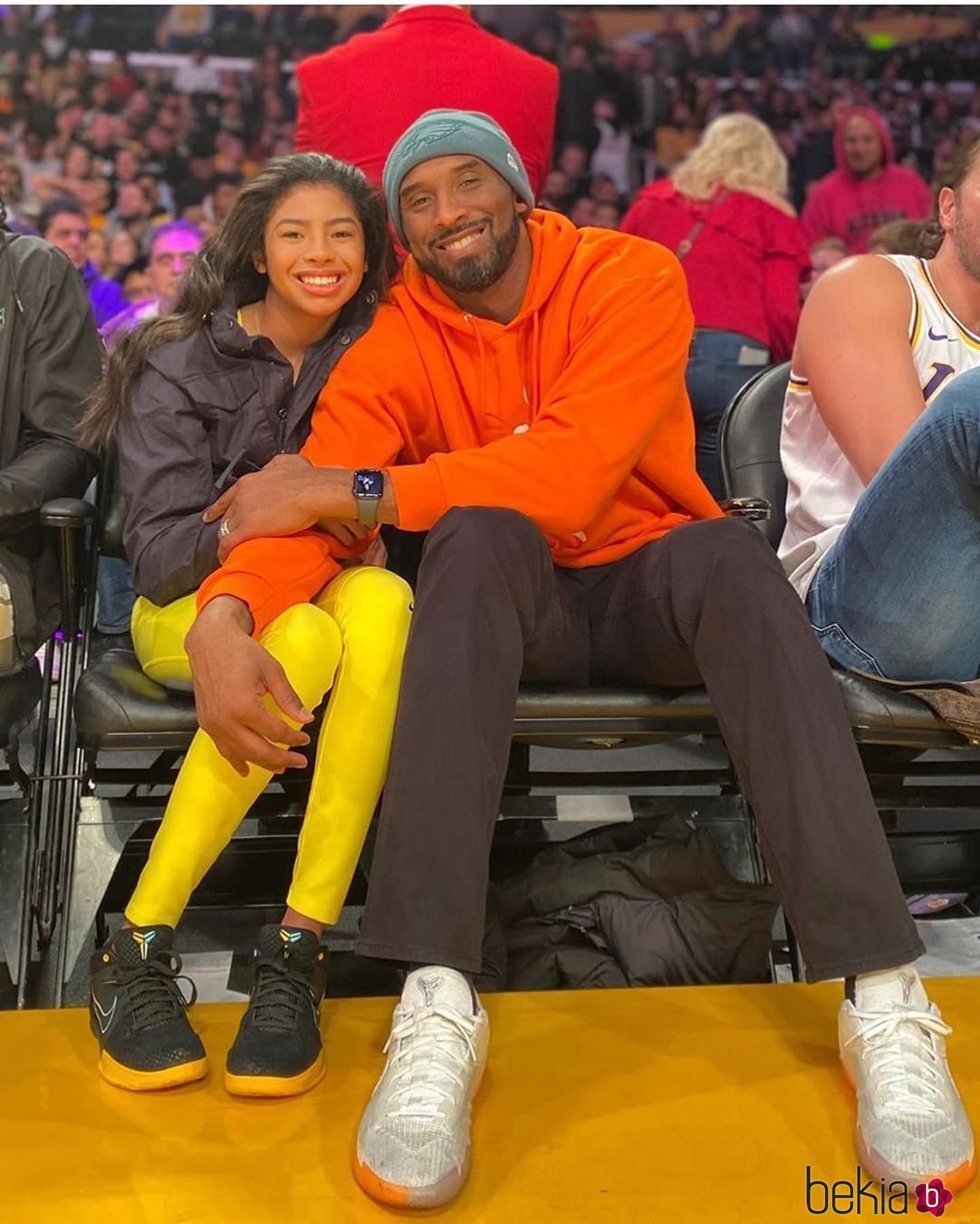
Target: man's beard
<point>967,243</point>
<point>472,274</point>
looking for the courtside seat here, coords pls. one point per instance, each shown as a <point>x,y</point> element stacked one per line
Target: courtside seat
<point>882,715</point>
<point>118,707</point>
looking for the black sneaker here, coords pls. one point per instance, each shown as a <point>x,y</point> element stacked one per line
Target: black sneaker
<point>278,1051</point>
<point>138,1012</point>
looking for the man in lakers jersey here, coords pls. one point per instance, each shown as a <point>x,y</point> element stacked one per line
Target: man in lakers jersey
<point>881,447</point>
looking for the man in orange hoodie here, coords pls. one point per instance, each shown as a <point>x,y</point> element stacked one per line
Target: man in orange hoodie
<point>522,398</point>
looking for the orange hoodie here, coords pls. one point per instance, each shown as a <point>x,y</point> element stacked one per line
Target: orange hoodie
<point>575,413</point>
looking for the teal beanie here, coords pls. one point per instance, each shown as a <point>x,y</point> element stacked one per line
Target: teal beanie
<point>438,133</point>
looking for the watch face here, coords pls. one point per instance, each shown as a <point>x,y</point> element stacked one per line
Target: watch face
<point>368,484</point>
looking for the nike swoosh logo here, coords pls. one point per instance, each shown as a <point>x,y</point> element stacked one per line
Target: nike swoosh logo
<point>934,337</point>
<point>102,1014</point>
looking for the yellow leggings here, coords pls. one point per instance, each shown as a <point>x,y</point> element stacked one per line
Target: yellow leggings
<point>359,621</point>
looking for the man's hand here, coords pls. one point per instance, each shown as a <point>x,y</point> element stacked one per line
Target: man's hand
<point>234,677</point>
<point>287,496</point>
<point>347,533</point>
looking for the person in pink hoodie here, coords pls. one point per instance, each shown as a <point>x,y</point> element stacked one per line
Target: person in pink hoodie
<point>867,188</point>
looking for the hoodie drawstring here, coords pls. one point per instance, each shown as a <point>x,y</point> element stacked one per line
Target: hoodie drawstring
<point>533,384</point>
<point>535,365</point>
<point>482,357</point>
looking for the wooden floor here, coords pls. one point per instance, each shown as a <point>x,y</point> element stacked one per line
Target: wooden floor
<point>692,1104</point>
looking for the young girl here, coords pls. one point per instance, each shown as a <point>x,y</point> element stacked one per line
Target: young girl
<point>192,401</point>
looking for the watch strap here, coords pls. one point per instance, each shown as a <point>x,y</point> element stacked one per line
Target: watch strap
<point>367,511</point>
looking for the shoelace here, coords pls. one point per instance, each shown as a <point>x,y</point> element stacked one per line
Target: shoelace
<point>430,1053</point>
<point>918,1088</point>
<point>150,989</point>
<point>279,994</point>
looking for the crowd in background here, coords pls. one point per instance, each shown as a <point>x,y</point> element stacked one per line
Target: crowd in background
<point>140,145</point>
<point>705,130</point>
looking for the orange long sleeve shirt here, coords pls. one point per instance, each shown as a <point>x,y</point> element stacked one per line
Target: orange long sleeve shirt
<point>575,413</point>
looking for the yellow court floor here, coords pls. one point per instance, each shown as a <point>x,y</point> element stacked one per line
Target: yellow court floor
<point>701,1103</point>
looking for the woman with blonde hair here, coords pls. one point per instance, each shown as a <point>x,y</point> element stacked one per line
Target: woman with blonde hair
<point>724,212</point>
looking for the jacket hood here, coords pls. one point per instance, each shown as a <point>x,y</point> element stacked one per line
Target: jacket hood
<point>553,238</point>
<point>884,134</point>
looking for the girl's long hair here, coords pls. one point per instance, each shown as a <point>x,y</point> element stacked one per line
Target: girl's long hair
<point>226,261</point>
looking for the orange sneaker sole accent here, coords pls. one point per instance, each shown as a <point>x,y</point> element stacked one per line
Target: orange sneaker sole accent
<point>958,1179</point>
<point>380,1191</point>
<point>413,1198</point>
<point>150,1081</point>
<point>276,1085</point>
<point>954,1179</point>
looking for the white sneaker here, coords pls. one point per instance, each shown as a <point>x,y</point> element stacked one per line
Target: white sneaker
<point>911,1124</point>
<point>413,1145</point>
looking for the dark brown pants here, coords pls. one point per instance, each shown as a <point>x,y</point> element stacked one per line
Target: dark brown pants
<point>708,603</point>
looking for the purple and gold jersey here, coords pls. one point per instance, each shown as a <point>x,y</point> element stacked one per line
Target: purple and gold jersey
<point>823,488</point>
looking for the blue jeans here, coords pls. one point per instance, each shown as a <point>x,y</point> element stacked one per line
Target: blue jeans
<point>898,594</point>
<point>114,589</point>
<point>720,364</point>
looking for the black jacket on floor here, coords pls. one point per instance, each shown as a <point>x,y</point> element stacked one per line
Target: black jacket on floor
<point>627,906</point>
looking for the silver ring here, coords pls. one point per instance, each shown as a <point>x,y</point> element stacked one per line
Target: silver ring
<point>224,529</point>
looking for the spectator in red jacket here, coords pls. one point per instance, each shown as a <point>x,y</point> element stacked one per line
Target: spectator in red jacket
<point>723,212</point>
<point>867,188</point>
<point>423,58</point>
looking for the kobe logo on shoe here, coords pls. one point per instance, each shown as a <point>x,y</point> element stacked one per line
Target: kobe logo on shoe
<point>428,987</point>
<point>143,940</point>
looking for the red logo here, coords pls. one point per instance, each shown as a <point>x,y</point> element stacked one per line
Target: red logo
<point>933,1197</point>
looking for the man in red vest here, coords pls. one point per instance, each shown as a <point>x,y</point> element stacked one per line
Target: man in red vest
<point>355,100</point>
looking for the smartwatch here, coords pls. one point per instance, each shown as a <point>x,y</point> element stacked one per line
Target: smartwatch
<point>369,487</point>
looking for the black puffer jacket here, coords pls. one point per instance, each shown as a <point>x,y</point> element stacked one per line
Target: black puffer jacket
<point>647,904</point>
<point>49,361</point>
<point>210,408</point>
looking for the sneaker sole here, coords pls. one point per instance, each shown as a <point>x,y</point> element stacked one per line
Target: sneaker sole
<point>276,1085</point>
<point>413,1197</point>
<point>953,1179</point>
<point>121,1076</point>
<point>418,1197</point>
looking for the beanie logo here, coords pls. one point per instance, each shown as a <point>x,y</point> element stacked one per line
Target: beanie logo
<point>513,164</point>
<point>432,135</point>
